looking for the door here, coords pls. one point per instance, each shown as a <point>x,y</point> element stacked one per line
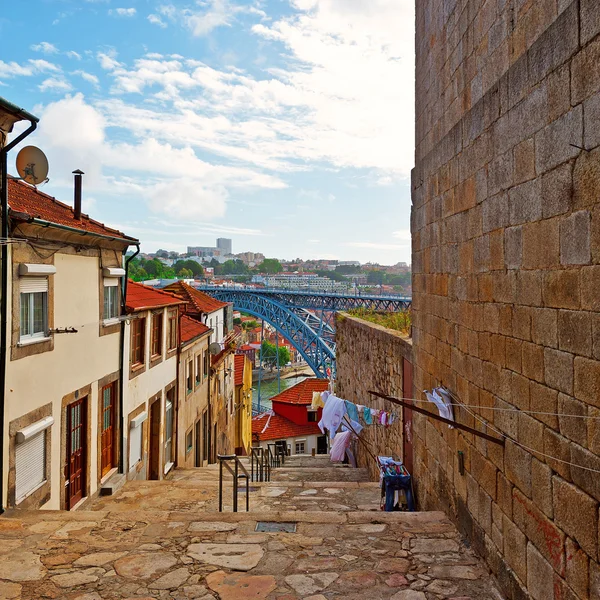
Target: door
<point>76,452</point>
<point>107,433</point>
<point>322,444</point>
<point>154,458</point>
<point>198,459</point>
<point>407,413</point>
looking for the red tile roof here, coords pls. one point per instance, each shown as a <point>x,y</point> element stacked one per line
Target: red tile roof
<point>302,392</point>
<point>202,302</point>
<point>281,428</point>
<point>144,297</point>
<point>240,361</point>
<point>191,329</point>
<point>246,347</point>
<point>24,198</point>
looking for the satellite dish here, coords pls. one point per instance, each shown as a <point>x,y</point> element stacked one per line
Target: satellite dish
<point>215,348</point>
<point>32,165</point>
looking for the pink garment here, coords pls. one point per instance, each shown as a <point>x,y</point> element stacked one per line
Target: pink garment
<point>339,446</point>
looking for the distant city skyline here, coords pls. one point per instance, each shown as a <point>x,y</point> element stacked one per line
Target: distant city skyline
<point>284,124</point>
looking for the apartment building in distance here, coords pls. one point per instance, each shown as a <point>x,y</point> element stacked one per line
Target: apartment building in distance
<point>63,380</point>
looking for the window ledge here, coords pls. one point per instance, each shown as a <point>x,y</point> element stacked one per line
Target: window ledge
<point>28,342</point>
<point>109,322</point>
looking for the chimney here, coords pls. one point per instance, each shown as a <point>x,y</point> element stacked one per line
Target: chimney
<point>77,202</point>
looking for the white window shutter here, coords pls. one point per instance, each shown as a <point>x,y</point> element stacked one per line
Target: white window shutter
<point>31,285</point>
<point>30,465</point>
<point>111,282</point>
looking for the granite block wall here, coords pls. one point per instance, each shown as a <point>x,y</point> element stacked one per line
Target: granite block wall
<point>506,282</point>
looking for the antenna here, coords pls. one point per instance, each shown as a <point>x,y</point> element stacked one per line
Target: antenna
<point>32,165</point>
<point>215,348</point>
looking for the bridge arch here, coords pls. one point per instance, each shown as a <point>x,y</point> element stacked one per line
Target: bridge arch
<point>314,349</point>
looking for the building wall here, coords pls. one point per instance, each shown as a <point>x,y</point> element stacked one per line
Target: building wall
<point>243,409</point>
<point>144,389</point>
<point>310,443</point>
<point>369,357</point>
<point>71,364</point>
<point>223,404</point>
<point>190,407</point>
<point>506,273</point>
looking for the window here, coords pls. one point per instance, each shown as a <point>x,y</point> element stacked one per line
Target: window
<point>190,376</point>
<point>300,447</point>
<point>157,322</point>
<point>111,298</point>
<point>172,329</point>
<point>312,416</point>
<point>206,359</point>
<point>30,465</point>
<point>199,367</point>
<point>169,422</point>
<point>135,445</point>
<point>34,308</point>
<point>138,341</point>
<point>189,443</point>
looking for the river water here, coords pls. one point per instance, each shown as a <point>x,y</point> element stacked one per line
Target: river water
<point>268,389</point>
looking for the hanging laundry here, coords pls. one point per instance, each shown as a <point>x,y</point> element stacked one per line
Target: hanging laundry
<point>333,413</point>
<point>383,418</point>
<point>360,408</point>
<point>355,426</point>
<point>351,410</point>
<point>339,446</point>
<point>317,401</point>
<point>367,416</point>
<point>447,400</point>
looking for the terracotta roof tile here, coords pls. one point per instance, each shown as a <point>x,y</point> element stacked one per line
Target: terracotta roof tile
<point>24,198</point>
<point>199,300</point>
<point>240,361</point>
<point>281,428</point>
<point>144,297</point>
<point>302,392</point>
<point>191,329</point>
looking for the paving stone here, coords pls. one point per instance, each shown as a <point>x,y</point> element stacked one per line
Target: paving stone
<point>9,590</point>
<point>171,580</point>
<point>409,595</point>
<point>75,527</point>
<point>21,566</point>
<point>97,559</point>
<point>310,584</point>
<point>250,538</point>
<point>442,587</point>
<point>274,492</point>
<point>452,572</point>
<point>198,526</point>
<point>356,579</point>
<point>240,557</point>
<point>77,578</point>
<point>433,546</point>
<point>368,528</point>
<point>144,566</point>
<point>54,560</point>
<point>396,580</point>
<point>238,586</point>
<point>393,565</point>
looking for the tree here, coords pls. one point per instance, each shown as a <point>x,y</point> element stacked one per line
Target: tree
<point>348,269</point>
<point>191,265</point>
<point>270,355</point>
<point>185,273</point>
<point>375,277</point>
<point>270,266</point>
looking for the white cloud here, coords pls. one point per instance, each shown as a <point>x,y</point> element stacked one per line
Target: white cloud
<point>88,77</point>
<point>40,66</point>
<point>55,84</point>
<point>377,245</point>
<point>108,60</point>
<point>73,54</point>
<point>402,234</point>
<point>156,20</point>
<point>45,48</point>
<point>122,12</point>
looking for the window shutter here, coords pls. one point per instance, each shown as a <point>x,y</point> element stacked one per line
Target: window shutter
<point>30,465</point>
<point>111,282</point>
<point>30,285</point>
<point>135,445</point>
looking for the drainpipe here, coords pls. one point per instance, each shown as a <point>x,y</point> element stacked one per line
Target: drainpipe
<point>4,277</point>
<point>122,365</point>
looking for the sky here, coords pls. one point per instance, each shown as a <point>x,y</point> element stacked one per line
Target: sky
<point>286,125</point>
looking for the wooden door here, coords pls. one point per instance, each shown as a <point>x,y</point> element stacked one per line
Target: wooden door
<point>107,429</point>
<point>198,461</point>
<point>407,413</point>
<point>154,458</point>
<point>76,452</point>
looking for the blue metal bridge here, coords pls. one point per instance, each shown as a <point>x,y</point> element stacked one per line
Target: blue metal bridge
<point>305,318</point>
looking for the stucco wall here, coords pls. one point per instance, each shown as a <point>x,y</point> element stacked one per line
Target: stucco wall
<point>506,280</point>
<point>74,362</point>
<point>369,357</point>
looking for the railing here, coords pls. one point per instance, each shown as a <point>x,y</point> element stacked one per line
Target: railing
<point>260,464</point>
<point>278,454</point>
<point>224,460</point>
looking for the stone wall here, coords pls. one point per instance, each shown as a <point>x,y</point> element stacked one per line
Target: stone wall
<point>369,357</point>
<point>506,281</point>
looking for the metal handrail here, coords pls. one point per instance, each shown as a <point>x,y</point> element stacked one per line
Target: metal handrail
<point>224,461</point>
<point>260,464</point>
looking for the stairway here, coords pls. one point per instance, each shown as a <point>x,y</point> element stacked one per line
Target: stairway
<point>314,531</point>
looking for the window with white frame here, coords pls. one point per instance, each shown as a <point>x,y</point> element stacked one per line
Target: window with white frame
<point>34,308</point>
<point>111,298</point>
<point>135,442</point>
<point>169,454</point>
<point>30,458</point>
<point>301,447</point>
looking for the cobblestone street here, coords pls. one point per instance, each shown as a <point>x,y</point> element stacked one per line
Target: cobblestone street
<point>165,540</point>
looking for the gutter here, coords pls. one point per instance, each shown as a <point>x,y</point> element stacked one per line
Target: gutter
<point>24,116</point>
<point>122,361</point>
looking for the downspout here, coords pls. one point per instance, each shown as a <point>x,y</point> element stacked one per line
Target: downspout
<point>122,365</point>
<point>4,284</point>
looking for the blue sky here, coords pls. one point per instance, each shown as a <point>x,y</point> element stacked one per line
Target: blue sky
<point>286,125</point>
